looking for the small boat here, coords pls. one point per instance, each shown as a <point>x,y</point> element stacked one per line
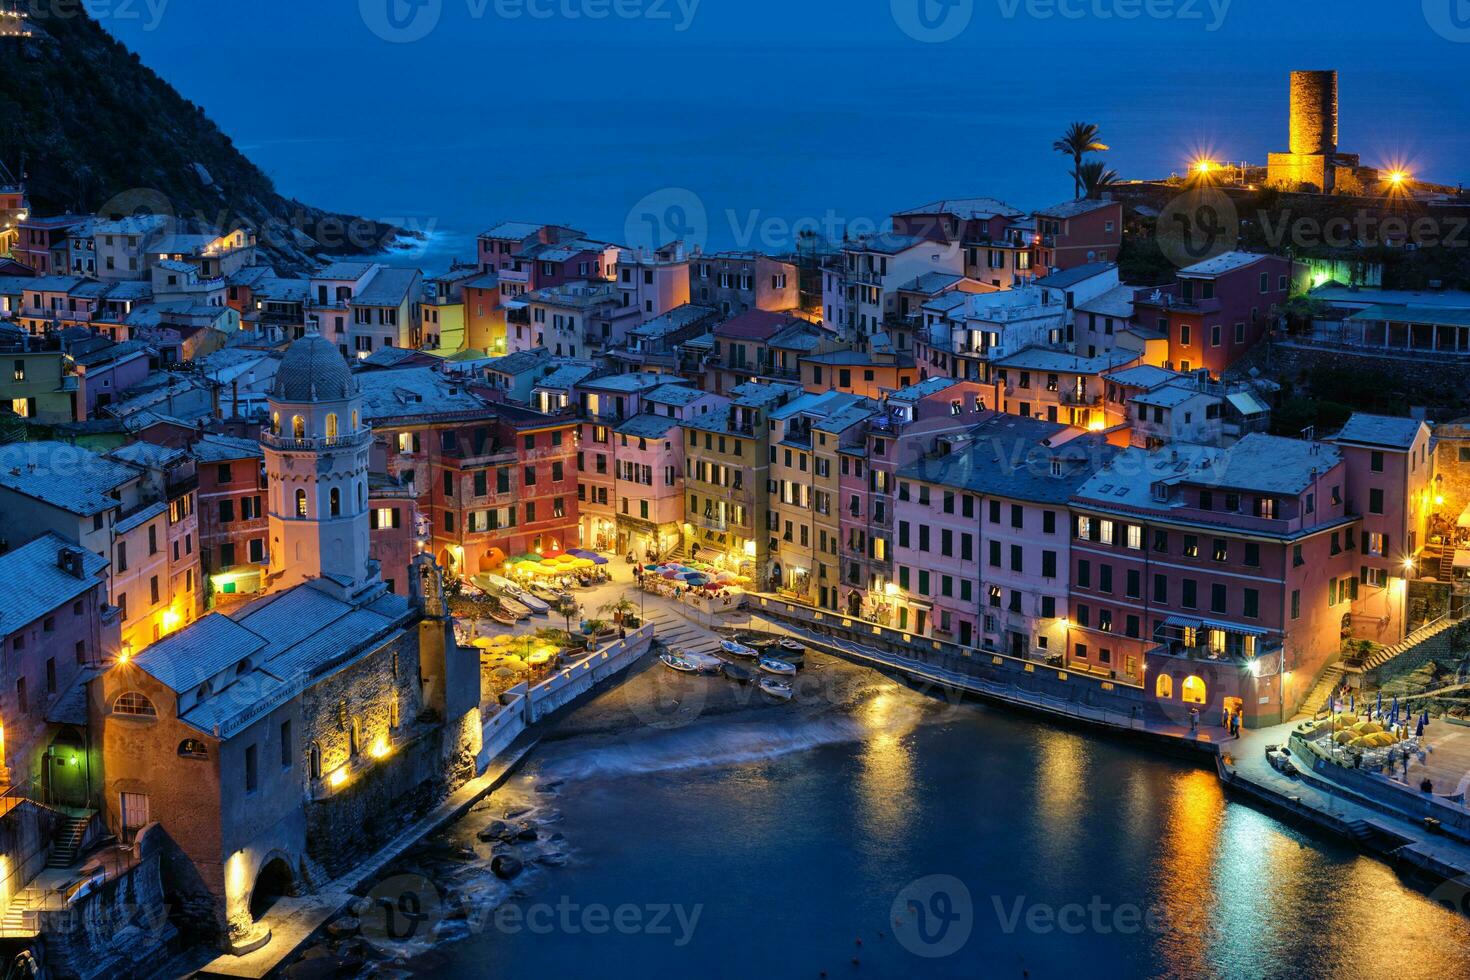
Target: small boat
<point>503,618</point>
<point>675,662</point>
<point>738,673</point>
<point>792,645</point>
<point>549,594</point>
<point>705,663</point>
<point>537,606</point>
<point>776,688</point>
<point>513,608</point>
<point>773,666</point>
<point>737,649</point>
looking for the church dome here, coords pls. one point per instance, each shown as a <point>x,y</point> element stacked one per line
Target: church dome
<point>313,370</point>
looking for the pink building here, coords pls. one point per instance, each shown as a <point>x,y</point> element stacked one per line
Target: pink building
<point>649,488</point>
<point>1215,578</point>
<point>1391,486</point>
<point>1078,232</point>
<point>52,631</point>
<point>982,534</point>
<point>915,422</point>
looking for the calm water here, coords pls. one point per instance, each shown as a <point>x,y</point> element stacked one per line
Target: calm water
<point>763,114</point>
<point>791,830</point>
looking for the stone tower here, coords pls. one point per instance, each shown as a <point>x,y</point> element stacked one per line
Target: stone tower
<point>316,465</point>
<point>1312,158</point>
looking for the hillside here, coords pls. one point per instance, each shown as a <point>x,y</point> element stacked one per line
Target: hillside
<point>91,124</point>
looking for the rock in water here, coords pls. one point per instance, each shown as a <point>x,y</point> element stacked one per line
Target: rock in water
<point>495,830</point>
<point>343,927</point>
<point>506,867</point>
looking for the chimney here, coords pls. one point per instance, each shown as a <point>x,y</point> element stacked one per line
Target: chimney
<point>69,560</point>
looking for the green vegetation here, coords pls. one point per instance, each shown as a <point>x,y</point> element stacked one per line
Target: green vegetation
<point>88,122</point>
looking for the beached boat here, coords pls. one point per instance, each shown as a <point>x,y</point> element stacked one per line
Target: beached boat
<point>776,688</point>
<point>737,649</point>
<point>738,673</point>
<point>704,662</point>
<point>675,662</point>
<point>549,594</point>
<point>513,608</point>
<point>773,666</point>
<point>503,618</point>
<point>791,645</point>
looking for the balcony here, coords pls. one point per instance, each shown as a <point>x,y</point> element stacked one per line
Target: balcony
<point>1081,399</point>
<point>291,444</point>
<point>712,523</point>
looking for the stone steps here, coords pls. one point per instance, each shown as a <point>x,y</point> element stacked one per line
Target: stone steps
<point>1429,632</point>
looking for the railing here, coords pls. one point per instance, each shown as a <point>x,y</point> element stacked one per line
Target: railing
<point>309,445</point>
<point>1081,398</point>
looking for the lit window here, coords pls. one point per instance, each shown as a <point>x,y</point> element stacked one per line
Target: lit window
<point>133,703</point>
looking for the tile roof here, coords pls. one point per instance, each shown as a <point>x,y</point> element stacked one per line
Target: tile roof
<point>389,287</point>
<point>414,391</point>
<point>520,362</point>
<point>187,658</point>
<point>65,476</point>
<point>647,426</point>
<point>1116,302</point>
<point>673,394</point>
<point>676,319</point>
<point>755,325</point>
<point>1073,209</point>
<point>344,271</point>
<point>34,583</point>
<point>1144,376</point>
<point>967,208</point>
<point>1047,359</point>
<point>513,229</point>
<point>923,389</point>
<point>1380,430</point>
<point>1010,456</point>
<point>635,381</point>
<point>1167,396</point>
<point>221,449</point>
<point>1076,274</point>
<point>1221,264</point>
<point>148,454</point>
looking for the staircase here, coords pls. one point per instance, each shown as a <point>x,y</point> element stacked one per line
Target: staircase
<point>66,844</point>
<point>1329,681</point>
<point>1426,632</point>
<point>1447,564</point>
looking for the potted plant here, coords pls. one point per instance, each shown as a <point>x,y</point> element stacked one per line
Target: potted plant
<point>621,609</point>
<point>594,628</point>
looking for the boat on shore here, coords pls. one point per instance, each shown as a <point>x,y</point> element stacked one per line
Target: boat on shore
<point>776,688</point>
<point>503,618</point>
<point>675,662</point>
<point>791,645</point>
<point>780,667</point>
<point>513,608</point>
<point>735,649</point>
<point>705,663</point>
<point>738,673</point>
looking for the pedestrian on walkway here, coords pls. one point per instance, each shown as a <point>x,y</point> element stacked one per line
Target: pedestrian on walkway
<point>1193,721</point>
<point>1225,716</point>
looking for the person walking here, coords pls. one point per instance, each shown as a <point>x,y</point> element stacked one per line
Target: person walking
<point>1193,721</point>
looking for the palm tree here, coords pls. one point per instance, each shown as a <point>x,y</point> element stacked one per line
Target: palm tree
<point>1080,139</point>
<point>567,608</point>
<point>619,609</point>
<point>1094,177</point>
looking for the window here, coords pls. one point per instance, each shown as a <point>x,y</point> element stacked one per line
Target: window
<point>1375,501</point>
<point>135,704</point>
<point>1252,604</point>
<point>252,775</point>
<point>335,502</point>
<point>286,743</point>
<point>300,503</point>
<point>1375,462</point>
<point>192,748</point>
<point>1191,546</point>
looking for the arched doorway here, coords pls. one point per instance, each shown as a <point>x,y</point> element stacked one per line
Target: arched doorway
<point>66,769</point>
<point>273,883</point>
<point>1193,690</point>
